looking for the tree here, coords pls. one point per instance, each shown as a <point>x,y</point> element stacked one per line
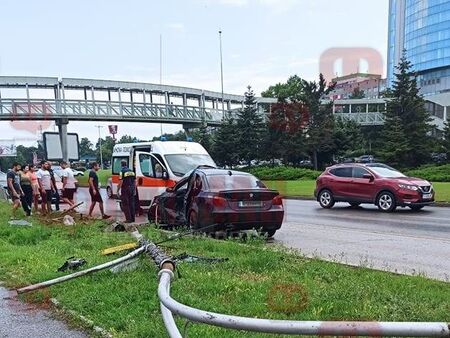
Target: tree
<point>284,137</point>
<point>224,150</point>
<point>405,108</point>
<point>179,136</point>
<point>203,136</point>
<point>107,149</point>
<point>357,94</point>
<point>321,121</point>
<point>291,91</point>
<point>396,145</point>
<point>127,139</point>
<point>318,135</point>
<point>86,147</point>
<point>348,138</point>
<point>446,138</point>
<point>250,128</point>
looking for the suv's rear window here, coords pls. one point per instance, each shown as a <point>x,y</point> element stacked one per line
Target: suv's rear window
<point>342,172</point>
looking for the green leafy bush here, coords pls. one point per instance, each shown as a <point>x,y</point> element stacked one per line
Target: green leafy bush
<point>283,173</point>
<point>433,173</point>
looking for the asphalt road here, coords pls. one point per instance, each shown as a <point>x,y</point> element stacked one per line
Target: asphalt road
<point>405,242</point>
<point>23,320</point>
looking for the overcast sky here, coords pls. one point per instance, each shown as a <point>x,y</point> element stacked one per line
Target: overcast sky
<point>264,42</point>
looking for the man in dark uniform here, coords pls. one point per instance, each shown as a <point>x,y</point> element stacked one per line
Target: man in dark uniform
<point>127,191</point>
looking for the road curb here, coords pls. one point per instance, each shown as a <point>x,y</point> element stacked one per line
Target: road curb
<point>86,322</point>
<point>307,198</point>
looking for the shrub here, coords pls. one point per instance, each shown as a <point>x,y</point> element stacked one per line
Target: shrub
<point>283,173</point>
<point>433,173</point>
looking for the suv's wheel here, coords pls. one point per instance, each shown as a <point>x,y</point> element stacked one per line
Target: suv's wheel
<point>386,202</point>
<point>109,192</point>
<point>326,199</point>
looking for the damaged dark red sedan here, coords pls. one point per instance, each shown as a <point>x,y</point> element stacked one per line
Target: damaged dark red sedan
<point>219,200</point>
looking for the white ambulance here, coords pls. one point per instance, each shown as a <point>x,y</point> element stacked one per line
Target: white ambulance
<point>176,158</point>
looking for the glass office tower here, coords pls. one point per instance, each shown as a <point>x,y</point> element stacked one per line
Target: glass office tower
<point>422,27</point>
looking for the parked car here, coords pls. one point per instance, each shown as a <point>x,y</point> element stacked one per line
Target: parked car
<point>221,200</point>
<point>365,159</point>
<point>3,180</point>
<point>57,170</point>
<point>439,157</point>
<point>3,186</point>
<point>374,183</point>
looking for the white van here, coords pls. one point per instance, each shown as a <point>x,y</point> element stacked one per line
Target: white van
<point>175,157</point>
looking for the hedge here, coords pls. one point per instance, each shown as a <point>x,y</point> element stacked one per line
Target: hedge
<point>433,173</point>
<point>283,173</point>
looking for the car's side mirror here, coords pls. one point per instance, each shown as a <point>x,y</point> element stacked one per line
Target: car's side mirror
<point>165,175</point>
<point>369,177</point>
<point>169,189</point>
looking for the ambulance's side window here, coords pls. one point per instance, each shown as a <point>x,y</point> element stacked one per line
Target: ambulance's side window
<point>117,166</point>
<point>145,163</point>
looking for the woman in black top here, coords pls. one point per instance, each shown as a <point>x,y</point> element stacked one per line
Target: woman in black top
<point>25,184</point>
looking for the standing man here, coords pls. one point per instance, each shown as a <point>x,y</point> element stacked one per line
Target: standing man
<point>55,192</point>
<point>45,186</point>
<point>14,187</point>
<point>94,191</point>
<point>127,192</point>
<point>68,180</point>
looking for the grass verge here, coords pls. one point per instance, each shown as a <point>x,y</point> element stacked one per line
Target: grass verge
<point>103,175</point>
<point>256,281</point>
<point>306,189</point>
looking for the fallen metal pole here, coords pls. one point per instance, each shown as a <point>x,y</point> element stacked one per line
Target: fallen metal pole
<point>321,328</point>
<point>167,316</point>
<point>103,266</point>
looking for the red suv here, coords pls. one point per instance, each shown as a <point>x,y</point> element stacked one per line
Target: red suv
<point>373,183</point>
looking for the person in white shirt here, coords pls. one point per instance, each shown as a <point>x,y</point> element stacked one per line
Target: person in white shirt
<point>69,181</point>
<point>45,186</point>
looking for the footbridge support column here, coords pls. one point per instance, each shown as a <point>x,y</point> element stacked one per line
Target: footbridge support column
<point>62,129</point>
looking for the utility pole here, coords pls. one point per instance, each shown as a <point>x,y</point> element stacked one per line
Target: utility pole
<point>100,145</point>
<point>221,72</point>
<point>160,71</point>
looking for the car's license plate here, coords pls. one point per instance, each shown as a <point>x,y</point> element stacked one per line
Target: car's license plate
<point>427,196</point>
<point>250,204</point>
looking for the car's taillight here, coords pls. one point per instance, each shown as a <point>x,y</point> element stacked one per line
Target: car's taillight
<point>219,202</point>
<point>277,200</point>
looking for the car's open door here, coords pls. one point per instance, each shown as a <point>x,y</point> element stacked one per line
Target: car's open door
<point>148,182</point>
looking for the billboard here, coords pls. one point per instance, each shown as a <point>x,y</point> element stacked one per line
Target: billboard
<point>7,148</point>
<point>52,146</point>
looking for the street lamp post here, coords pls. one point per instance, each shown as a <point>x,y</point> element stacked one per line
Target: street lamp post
<point>221,72</point>
<point>100,146</point>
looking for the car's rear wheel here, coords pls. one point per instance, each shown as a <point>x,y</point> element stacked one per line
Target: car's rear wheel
<point>416,207</point>
<point>354,204</point>
<point>386,202</point>
<point>109,192</point>
<point>270,233</point>
<point>326,199</point>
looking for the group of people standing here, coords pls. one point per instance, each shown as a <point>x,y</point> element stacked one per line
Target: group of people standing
<point>28,187</point>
